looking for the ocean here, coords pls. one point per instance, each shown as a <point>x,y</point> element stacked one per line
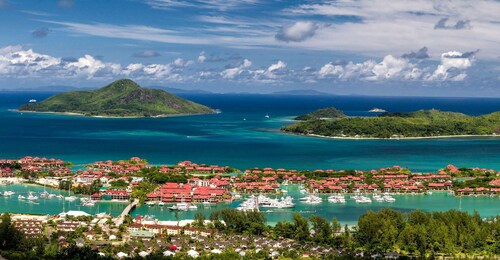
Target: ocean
<point>242,137</point>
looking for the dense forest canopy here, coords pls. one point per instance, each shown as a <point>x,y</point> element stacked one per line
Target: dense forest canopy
<point>422,123</point>
<point>322,113</point>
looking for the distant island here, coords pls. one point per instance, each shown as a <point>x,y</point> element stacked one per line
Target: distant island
<point>300,92</point>
<point>122,98</point>
<point>420,124</point>
<point>322,113</point>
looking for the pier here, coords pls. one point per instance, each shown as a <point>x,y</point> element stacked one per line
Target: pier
<point>125,212</point>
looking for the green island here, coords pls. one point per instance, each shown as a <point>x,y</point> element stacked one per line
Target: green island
<point>122,98</point>
<point>322,113</point>
<point>418,124</point>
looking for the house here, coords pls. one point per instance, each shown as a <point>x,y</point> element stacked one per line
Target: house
<point>142,235</point>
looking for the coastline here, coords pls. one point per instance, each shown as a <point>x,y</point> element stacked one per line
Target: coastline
<point>106,117</point>
<point>398,138</point>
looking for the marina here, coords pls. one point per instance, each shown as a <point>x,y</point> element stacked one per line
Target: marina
<point>346,211</point>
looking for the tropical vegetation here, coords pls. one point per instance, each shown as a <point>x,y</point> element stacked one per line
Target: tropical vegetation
<point>422,123</point>
<point>122,98</point>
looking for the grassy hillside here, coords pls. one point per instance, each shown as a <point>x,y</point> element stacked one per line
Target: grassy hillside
<point>121,98</point>
<point>422,123</point>
<point>328,112</point>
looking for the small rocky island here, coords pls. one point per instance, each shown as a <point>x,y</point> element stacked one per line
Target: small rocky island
<point>322,113</point>
<point>122,98</point>
<point>419,124</point>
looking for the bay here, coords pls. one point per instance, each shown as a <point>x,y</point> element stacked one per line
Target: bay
<point>229,139</point>
<point>242,137</point>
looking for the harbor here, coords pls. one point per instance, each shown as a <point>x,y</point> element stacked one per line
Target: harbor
<point>346,212</point>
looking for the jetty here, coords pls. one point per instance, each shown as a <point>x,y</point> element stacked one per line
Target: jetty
<point>126,211</point>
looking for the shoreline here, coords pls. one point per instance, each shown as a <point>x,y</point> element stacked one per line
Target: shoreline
<point>398,138</point>
<point>105,117</point>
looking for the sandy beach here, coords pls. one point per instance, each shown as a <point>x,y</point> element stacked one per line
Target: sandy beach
<point>400,138</point>
<point>105,117</point>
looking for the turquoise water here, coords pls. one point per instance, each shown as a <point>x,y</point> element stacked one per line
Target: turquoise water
<point>349,212</point>
<point>227,139</point>
<point>346,213</point>
<point>48,206</point>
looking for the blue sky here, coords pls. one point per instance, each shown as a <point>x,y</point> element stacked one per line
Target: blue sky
<point>372,47</point>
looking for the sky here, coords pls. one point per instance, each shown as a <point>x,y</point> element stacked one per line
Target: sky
<point>364,47</point>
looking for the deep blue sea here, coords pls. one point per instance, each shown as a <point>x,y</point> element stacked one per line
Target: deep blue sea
<point>228,139</point>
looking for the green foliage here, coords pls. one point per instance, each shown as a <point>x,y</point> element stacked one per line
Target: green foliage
<point>301,227</point>
<point>155,176</point>
<point>423,123</point>
<point>118,184</point>
<point>121,98</point>
<point>141,191</point>
<point>199,219</point>
<point>328,112</point>
<point>10,237</point>
<point>422,233</point>
<point>251,222</point>
<point>84,253</point>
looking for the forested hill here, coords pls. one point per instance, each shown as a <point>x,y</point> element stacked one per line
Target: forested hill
<point>122,98</point>
<point>322,113</point>
<point>422,123</point>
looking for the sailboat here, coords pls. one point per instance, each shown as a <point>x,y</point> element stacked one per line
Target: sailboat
<point>44,194</point>
<point>70,198</point>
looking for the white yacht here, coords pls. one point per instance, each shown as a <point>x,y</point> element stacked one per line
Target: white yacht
<point>180,206</point>
<point>150,203</point>
<point>336,198</point>
<point>249,205</point>
<point>388,198</point>
<point>378,198</point>
<point>266,116</point>
<point>161,203</point>
<point>284,202</point>
<point>8,193</point>
<point>32,197</point>
<point>21,197</point>
<point>361,199</point>
<point>70,198</point>
<point>311,199</point>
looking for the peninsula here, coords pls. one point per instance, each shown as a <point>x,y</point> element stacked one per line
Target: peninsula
<point>420,124</point>
<point>122,98</point>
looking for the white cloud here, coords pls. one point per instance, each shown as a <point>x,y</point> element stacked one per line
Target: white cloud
<point>451,67</point>
<point>221,5</point>
<point>383,28</point>
<point>202,58</point>
<point>277,66</point>
<point>231,73</point>
<point>329,70</point>
<point>297,32</point>
<point>18,62</point>
<point>86,66</point>
<point>273,71</point>
<point>395,68</point>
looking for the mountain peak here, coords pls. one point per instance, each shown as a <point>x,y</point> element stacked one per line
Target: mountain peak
<point>123,84</point>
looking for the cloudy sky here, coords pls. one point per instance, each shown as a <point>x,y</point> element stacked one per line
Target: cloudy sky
<point>372,47</point>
